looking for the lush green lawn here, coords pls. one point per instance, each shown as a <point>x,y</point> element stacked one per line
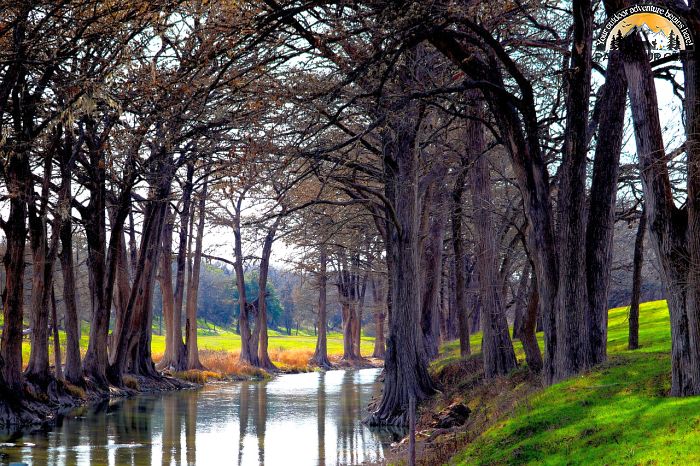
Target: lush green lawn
<point>229,341</point>
<point>616,414</point>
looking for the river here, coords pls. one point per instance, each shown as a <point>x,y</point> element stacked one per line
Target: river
<point>294,419</point>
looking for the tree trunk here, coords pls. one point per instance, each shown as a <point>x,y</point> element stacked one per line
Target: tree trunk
<point>320,357</point>
<point>432,271</point>
<point>691,70</point>
<point>192,293</point>
<point>528,335</point>
<point>166,289</point>
<point>460,266</point>
<point>572,330</point>
<point>667,224</point>
<point>379,316</point>
<point>264,358</point>
<point>13,302</point>
<point>38,367</point>
<point>134,338</point>
<point>497,347</point>
<point>56,341</point>
<point>406,365</point>
<point>348,316</point>
<point>519,130</point>
<point>178,361</point>
<point>347,296</point>
<point>521,301</point>
<point>102,264</point>
<point>249,353</point>
<point>638,263</point>
<point>601,217</point>
<point>359,310</point>
<point>121,298</point>
<point>73,369</point>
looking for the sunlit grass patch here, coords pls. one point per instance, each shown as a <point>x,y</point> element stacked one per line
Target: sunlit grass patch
<point>618,413</point>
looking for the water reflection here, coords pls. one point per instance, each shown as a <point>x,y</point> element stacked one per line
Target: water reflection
<point>300,419</point>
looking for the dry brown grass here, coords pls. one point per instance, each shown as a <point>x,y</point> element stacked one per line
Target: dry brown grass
<point>226,363</point>
<point>197,376</point>
<point>291,360</point>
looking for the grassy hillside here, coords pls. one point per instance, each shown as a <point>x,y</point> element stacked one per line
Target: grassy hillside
<point>619,413</point>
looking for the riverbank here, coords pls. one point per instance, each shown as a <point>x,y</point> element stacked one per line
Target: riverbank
<point>618,413</point>
<point>40,404</point>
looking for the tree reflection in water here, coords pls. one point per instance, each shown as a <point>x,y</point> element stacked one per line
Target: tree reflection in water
<point>311,418</point>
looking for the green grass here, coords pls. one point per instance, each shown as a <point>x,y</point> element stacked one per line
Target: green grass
<point>618,413</point>
<point>229,341</point>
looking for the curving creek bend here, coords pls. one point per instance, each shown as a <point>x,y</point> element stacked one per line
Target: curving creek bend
<point>294,419</point>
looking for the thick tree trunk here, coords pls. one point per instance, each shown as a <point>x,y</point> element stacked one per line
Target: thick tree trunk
<point>38,367</point>
<point>496,347</point>
<point>667,224</point>
<point>13,302</point>
<point>573,342</point>
<point>135,338</point>
<point>320,357</point>
<point>348,295</point>
<point>452,323</point>
<point>691,69</point>
<point>406,365</point>
<point>444,302</point>
<point>638,263</point>
<point>192,349</point>
<point>96,358</point>
<point>601,217</point>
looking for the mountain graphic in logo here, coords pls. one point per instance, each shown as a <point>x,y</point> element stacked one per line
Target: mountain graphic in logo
<point>654,40</point>
<point>663,33</point>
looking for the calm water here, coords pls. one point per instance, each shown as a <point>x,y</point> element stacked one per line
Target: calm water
<point>296,419</point>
